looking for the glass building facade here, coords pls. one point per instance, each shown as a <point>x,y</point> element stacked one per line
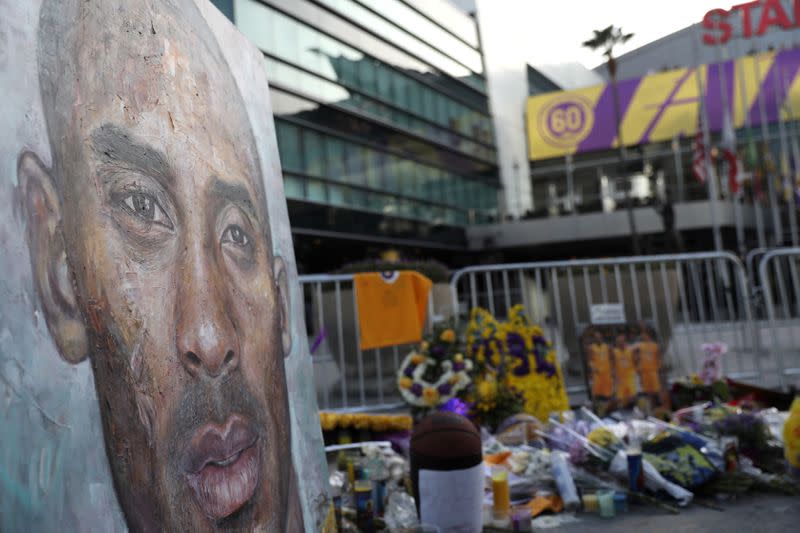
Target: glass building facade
<point>382,119</point>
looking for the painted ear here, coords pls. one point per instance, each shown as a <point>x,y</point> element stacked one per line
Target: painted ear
<point>282,282</point>
<point>52,277</point>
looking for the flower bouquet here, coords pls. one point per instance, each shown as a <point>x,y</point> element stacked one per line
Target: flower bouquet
<point>513,360</point>
<point>434,373</point>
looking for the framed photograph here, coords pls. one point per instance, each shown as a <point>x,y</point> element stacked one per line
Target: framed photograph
<point>623,368</point>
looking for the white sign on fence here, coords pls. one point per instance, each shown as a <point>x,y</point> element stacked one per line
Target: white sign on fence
<point>607,314</point>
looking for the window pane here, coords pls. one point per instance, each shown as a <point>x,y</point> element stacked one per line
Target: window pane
<point>415,98</point>
<point>384,82</point>
<point>354,164</point>
<point>356,198</point>
<point>428,110</point>
<point>441,109</point>
<point>313,154</point>
<point>399,89</point>
<point>373,179</point>
<point>288,145</point>
<point>366,70</point>
<point>293,186</point>
<point>316,191</point>
<point>347,70</point>
<point>336,195</point>
<point>334,152</point>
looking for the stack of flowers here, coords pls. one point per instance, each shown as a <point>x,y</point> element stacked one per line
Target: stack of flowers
<point>375,422</point>
<point>514,359</point>
<point>435,373</point>
<point>342,428</point>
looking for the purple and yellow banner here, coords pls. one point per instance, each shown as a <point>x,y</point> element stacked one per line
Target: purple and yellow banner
<point>661,106</point>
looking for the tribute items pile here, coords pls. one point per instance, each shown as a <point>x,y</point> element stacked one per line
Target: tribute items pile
<point>502,390</point>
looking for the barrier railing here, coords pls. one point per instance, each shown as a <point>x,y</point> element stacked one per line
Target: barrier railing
<point>688,298</point>
<point>779,279</point>
<point>347,378</point>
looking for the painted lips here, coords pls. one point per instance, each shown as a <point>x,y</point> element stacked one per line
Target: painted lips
<point>222,466</point>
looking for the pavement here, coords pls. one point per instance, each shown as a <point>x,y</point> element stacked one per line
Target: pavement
<point>751,512</point>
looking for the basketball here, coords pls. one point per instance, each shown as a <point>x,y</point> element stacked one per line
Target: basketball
<point>445,435</point>
<point>447,445</point>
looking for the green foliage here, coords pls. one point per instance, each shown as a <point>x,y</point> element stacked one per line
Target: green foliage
<point>607,38</point>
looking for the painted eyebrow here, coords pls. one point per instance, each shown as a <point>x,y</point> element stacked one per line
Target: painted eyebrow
<point>235,194</point>
<point>116,148</point>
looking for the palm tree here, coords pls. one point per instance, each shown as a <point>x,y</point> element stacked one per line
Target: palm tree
<point>606,39</point>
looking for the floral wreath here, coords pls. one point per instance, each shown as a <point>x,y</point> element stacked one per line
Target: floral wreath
<point>419,392</point>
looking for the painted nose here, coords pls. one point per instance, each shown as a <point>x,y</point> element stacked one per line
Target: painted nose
<point>207,343</point>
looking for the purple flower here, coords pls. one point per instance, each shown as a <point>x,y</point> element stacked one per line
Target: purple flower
<point>444,388</point>
<point>458,366</point>
<point>543,367</point>
<point>416,389</point>
<point>409,370</point>
<point>438,351</point>
<point>517,350</point>
<point>456,405</point>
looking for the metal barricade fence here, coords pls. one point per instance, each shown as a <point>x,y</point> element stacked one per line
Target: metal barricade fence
<point>779,279</point>
<point>689,299</point>
<point>347,378</point>
<point>751,262</point>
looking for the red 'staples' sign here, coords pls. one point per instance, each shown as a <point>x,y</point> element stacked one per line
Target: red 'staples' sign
<point>717,22</point>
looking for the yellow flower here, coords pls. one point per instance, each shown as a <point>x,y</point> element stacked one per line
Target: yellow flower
<point>417,359</point>
<point>361,421</point>
<point>430,395</point>
<point>696,380</point>
<point>402,423</point>
<point>448,335</point>
<point>405,383</point>
<point>487,389</point>
<point>328,421</point>
<point>346,420</point>
<point>453,380</point>
<point>602,437</point>
<point>458,358</point>
<point>380,423</point>
<point>424,345</point>
<point>480,358</point>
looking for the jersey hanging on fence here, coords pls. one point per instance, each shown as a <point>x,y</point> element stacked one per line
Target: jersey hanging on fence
<point>392,307</point>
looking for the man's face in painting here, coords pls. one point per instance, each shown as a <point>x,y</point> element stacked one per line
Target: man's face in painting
<point>149,242</point>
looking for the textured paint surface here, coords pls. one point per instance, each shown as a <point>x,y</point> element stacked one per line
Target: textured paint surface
<point>58,435</point>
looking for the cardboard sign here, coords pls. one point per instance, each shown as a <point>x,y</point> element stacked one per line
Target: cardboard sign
<point>154,373</point>
<point>607,314</point>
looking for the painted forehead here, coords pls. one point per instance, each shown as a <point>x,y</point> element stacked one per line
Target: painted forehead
<point>165,85</point>
<point>175,75</point>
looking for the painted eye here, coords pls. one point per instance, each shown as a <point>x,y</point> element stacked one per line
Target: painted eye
<point>233,234</point>
<point>145,207</point>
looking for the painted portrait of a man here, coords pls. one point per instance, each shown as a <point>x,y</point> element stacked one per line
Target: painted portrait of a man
<point>150,251</point>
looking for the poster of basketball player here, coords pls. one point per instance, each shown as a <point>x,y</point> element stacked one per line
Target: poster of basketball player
<point>623,367</point>
<point>154,373</point>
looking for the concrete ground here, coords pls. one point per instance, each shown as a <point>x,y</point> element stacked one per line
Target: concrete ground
<point>752,512</point>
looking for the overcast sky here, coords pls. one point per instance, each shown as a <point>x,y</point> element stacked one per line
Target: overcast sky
<point>551,31</point>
